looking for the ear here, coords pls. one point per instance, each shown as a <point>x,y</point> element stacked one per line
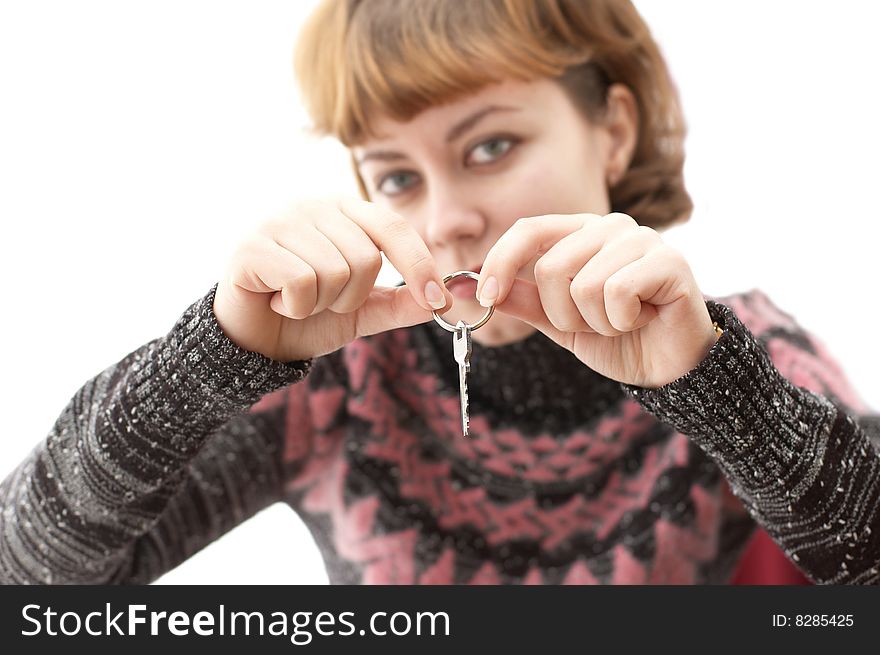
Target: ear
<point>622,127</point>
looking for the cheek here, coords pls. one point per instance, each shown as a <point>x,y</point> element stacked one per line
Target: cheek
<point>554,183</point>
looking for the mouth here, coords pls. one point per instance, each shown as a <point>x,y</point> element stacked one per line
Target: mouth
<point>465,287</point>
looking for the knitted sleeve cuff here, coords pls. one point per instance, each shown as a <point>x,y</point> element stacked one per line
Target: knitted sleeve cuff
<point>205,350</point>
<point>803,467</point>
<point>195,378</point>
<point>738,407</point>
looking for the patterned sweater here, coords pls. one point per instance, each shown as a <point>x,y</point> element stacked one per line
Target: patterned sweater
<point>568,477</point>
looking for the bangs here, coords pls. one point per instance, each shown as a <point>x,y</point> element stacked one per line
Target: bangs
<point>400,57</point>
<point>357,60</point>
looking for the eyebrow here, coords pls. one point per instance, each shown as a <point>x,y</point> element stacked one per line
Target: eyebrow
<point>455,132</point>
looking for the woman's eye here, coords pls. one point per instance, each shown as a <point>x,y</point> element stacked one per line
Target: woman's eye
<point>395,183</point>
<point>489,150</point>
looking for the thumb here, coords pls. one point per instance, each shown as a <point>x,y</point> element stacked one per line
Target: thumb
<point>387,308</point>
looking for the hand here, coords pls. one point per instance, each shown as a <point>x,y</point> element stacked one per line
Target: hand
<point>607,289</point>
<point>303,284</point>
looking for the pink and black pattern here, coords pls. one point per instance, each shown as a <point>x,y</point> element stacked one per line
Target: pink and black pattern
<point>565,479</point>
<point>568,477</point>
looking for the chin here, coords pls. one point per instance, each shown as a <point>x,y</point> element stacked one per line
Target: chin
<point>502,330</point>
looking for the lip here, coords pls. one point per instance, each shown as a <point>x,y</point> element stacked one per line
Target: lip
<point>461,280</point>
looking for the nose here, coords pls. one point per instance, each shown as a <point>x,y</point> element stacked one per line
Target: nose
<point>453,215</point>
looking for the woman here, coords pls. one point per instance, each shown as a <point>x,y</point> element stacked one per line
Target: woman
<point>623,427</point>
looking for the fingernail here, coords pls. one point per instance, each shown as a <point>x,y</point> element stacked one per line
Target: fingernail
<point>434,295</point>
<point>489,292</point>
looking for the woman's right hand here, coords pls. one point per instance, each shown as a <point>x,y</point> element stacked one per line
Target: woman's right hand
<point>303,284</point>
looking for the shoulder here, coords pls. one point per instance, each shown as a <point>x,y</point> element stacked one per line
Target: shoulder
<point>795,351</point>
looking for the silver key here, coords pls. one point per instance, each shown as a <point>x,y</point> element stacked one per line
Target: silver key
<point>461,342</point>
<point>461,347</point>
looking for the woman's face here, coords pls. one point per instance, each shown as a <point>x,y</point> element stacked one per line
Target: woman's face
<point>463,173</point>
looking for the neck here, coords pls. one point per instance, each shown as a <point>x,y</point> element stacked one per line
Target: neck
<point>532,384</point>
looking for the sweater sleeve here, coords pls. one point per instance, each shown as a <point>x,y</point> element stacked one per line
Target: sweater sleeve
<point>151,459</point>
<point>803,454</point>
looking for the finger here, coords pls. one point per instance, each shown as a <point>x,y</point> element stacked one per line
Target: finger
<point>554,272</point>
<point>523,302</point>
<point>363,258</point>
<point>532,236</point>
<point>527,238</point>
<point>277,269</point>
<point>403,246</point>
<point>636,291</point>
<point>388,308</point>
<point>536,235</point>
<point>588,287</point>
<point>310,245</point>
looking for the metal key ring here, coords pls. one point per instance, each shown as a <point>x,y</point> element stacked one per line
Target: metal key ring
<point>446,325</point>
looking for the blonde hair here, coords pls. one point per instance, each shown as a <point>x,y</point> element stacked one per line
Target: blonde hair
<point>357,58</point>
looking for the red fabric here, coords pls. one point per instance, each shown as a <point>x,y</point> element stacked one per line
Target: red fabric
<point>764,563</point>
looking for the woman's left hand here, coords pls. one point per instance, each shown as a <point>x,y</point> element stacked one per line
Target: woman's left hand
<point>607,289</point>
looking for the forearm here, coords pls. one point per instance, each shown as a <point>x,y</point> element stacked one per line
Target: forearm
<point>119,450</point>
<point>803,467</point>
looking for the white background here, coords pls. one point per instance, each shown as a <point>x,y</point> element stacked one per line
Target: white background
<point>140,141</point>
